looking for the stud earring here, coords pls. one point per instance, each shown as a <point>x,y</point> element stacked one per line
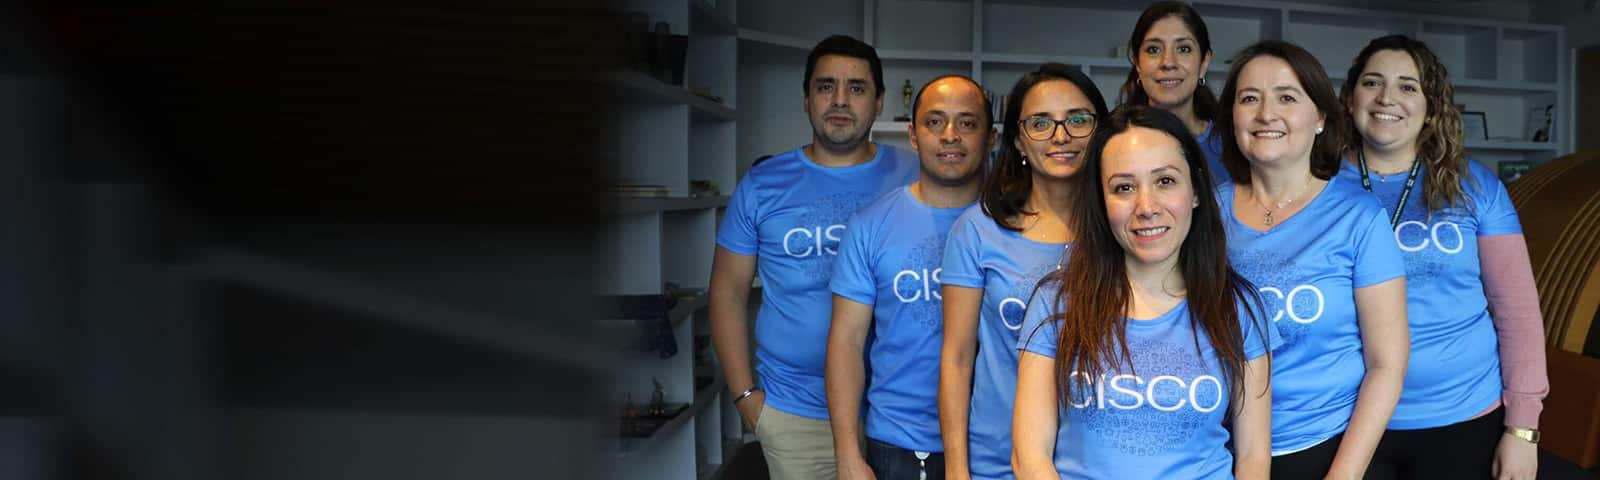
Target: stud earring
<point>1024,159</point>
<point>1319,130</point>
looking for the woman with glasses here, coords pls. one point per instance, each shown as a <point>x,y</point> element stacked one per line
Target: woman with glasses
<point>1320,251</point>
<point>1476,380</point>
<point>1170,51</point>
<point>996,253</point>
<point>1147,356</point>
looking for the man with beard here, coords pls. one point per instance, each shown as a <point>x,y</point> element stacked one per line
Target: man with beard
<point>886,280</point>
<point>785,221</point>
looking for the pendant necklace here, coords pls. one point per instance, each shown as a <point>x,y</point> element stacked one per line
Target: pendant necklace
<point>1268,220</point>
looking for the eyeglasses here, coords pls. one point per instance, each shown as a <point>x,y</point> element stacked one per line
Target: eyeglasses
<point>1040,127</point>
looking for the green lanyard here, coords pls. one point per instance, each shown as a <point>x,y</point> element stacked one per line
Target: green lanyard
<point>1405,194</point>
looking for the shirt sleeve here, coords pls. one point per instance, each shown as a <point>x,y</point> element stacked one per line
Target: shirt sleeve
<point>740,228</point>
<point>852,267</point>
<point>1514,307</point>
<point>962,253</point>
<point>1038,335</point>
<point>1496,215</point>
<point>1256,327</point>
<point>1378,257</point>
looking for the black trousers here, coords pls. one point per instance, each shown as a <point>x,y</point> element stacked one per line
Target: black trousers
<point>889,462</point>
<point>1461,450</point>
<point>1312,463</point>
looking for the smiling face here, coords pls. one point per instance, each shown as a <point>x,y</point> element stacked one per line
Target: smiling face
<point>1274,120</point>
<point>1150,199</point>
<point>950,132</point>
<point>1170,64</point>
<point>1060,155</point>
<point>841,101</point>
<point>1388,104</point>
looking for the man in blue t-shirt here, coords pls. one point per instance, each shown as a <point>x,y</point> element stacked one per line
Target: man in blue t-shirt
<point>886,281</point>
<point>785,221</point>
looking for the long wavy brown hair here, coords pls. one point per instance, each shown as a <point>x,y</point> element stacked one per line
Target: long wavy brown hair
<point>1093,296</point>
<point>1440,147</point>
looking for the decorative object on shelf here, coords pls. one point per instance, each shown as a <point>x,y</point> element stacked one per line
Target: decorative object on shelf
<point>637,190</point>
<point>703,188</point>
<point>1511,170</point>
<point>1474,126</point>
<point>704,92</point>
<point>1120,52</point>
<point>1540,119</point>
<point>658,399</point>
<point>905,101</point>
<point>666,63</point>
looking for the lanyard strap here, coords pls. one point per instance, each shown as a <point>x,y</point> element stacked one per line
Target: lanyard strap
<point>1405,194</point>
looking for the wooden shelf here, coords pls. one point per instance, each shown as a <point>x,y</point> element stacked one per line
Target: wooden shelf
<point>1512,146</point>
<point>927,55</point>
<point>775,39</point>
<point>890,128</point>
<point>630,205</point>
<point>339,291</point>
<point>702,398</point>
<point>641,88</point>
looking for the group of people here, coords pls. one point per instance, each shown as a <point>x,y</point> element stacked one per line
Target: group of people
<point>1280,280</point>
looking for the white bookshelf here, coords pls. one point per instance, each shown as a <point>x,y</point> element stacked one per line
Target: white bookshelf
<point>672,135</point>
<point>1499,67</point>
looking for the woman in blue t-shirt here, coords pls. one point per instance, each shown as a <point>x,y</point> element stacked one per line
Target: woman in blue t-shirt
<point>1170,52</point>
<point>1321,253</point>
<point>1476,381</point>
<point>997,251</point>
<point>1147,356</point>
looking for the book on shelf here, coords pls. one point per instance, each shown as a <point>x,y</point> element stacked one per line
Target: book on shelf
<point>642,191</point>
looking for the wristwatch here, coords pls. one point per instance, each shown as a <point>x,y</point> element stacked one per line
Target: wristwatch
<point>1526,434</point>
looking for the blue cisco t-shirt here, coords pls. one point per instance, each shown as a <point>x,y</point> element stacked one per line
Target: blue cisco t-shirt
<point>1307,268</point>
<point>1007,266</point>
<point>889,259</point>
<point>1212,147</point>
<point>1163,418</point>
<point>790,213</point>
<point>1454,371</point>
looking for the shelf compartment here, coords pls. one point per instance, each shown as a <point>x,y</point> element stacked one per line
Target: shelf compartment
<point>309,284</point>
<point>1539,51</point>
<point>1094,29</point>
<point>708,19</point>
<point>915,25</point>
<point>702,398</point>
<point>821,18</point>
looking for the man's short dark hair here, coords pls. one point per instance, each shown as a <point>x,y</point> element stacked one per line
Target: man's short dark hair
<point>988,110</point>
<point>848,46</point>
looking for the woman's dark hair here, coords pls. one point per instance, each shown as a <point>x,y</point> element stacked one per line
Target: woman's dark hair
<point>1205,103</point>
<point>1010,182</point>
<point>1093,299</point>
<point>1329,146</point>
<point>1439,145</point>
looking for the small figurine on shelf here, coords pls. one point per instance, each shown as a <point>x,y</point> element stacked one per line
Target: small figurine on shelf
<point>905,100</point>
<point>1543,135</point>
<point>658,400</point>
